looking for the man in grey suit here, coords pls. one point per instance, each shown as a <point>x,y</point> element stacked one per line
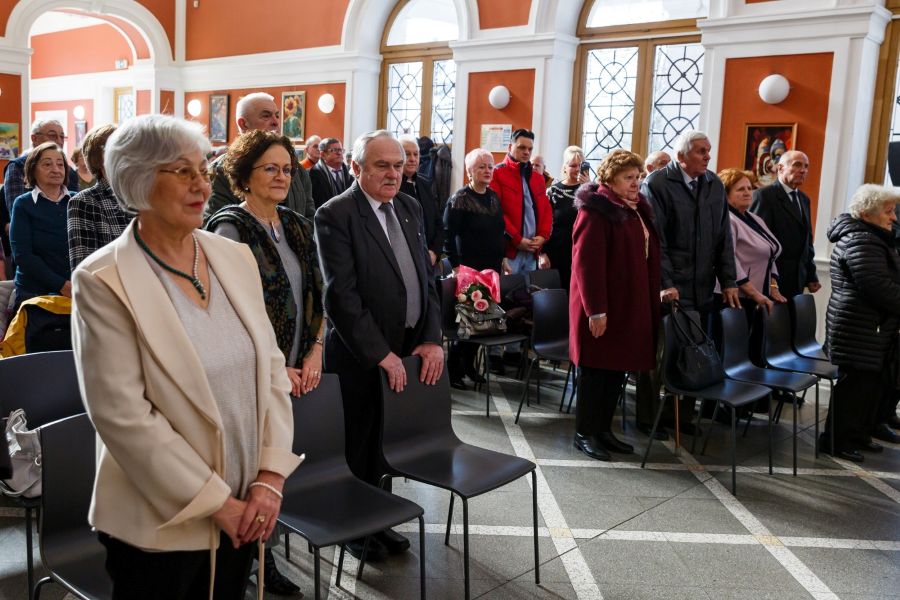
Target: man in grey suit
<point>258,111</point>
<point>381,301</point>
<point>786,211</point>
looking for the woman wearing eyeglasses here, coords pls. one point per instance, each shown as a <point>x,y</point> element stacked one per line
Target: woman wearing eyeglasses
<point>182,378</point>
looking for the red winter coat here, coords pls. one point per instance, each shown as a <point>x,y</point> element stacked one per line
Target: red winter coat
<point>507,182</point>
<point>611,275</point>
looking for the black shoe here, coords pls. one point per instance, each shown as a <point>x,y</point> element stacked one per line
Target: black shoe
<point>392,541</point>
<point>870,446</point>
<point>845,453</point>
<point>609,441</point>
<point>376,551</point>
<point>884,433</point>
<point>275,582</point>
<point>646,428</point>
<point>591,446</point>
<point>894,422</point>
<point>475,377</point>
<point>457,383</point>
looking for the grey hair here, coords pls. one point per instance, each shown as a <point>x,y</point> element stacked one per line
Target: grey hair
<point>408,137</point>
<point>785,158</point>
<point>870,198</point>
<point>243,105</point>
<point>473,156</point>
<point>41,123</point>
<point>325,142</point>
<point>653,158</point>
<point>139,147</point>
<point>310,142</point>
<point>362,143</point>
<point>682,144</point>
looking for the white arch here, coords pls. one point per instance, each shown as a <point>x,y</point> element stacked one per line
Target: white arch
<point>366,19</point>
<point>24,14</point>
<point>557,16</point>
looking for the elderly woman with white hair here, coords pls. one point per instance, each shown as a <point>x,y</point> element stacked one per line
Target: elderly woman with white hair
<point>862,319</point>
<point>473,222</point>
<point>182,377</point>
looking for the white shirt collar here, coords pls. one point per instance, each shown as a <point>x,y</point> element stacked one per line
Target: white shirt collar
<point>787,189</point>
<point>687,178</point>
<point>373,202</point>
<point>38,192</point>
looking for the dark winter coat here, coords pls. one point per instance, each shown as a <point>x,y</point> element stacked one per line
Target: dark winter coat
<point>612,274</point>
<point>864,308</point>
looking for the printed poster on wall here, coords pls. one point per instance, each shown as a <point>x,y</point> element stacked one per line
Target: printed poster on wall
<point>495,138</point>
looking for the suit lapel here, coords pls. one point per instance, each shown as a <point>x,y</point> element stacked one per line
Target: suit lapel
<point>159,323</point>
<point>787,204</point>
<point>373,226</point>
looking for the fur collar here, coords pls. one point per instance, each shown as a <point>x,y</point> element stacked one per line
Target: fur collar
<point>598,197</point>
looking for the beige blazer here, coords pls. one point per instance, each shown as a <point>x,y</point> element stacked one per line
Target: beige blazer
<point>161,451</point>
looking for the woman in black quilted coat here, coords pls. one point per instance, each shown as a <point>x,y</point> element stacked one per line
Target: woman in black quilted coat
<point>863,318</point>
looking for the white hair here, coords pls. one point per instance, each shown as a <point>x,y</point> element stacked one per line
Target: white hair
<point>139,147</point>
<point>871,198</point>
<point>408,138</point>
<point>41,123</point>
<point>682,144</point>
<point>473,156</point>
<point>243,105</point>
<point>653,158</point>
<point>313,140</point>
<point>362,142</point>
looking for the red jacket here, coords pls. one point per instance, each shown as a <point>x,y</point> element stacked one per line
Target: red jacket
<point>507,182</point>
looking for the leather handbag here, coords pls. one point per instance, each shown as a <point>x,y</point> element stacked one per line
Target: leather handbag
<point>25,455</point>
<point>697,364</point>
<point>473,323</point>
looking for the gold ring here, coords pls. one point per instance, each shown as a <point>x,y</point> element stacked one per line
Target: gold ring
<point>260,518</point>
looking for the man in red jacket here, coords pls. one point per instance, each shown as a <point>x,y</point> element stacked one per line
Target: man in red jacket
<point>523,199</point>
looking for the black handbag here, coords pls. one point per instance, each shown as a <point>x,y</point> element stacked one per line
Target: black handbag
<point>697,364</point>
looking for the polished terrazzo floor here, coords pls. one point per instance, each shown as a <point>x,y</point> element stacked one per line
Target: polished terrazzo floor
<point>612,530</point>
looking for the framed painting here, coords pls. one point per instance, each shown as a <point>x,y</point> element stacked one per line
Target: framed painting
<point>9,141</point>
<point>293,115</point>
<point>218,117</point>
<point>764,143</point>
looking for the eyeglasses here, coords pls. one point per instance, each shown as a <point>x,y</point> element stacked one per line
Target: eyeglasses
<point>272,170</point>
<point>188,174</point>
<point>335,150</point>
<point>53,135</point>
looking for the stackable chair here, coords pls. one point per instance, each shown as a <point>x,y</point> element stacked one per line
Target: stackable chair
<point>803,316</point>
<point>45,385</point>
<point>418,442</point>
<point>323,502</point>
<point>549,338</point>
<point>69,547</point>
<point>777,353</point>
<point>737,365</point>
<point>546,279</point>
<point>728,393</point>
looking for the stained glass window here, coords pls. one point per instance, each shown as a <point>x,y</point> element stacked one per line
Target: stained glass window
<point>677,84</point>
<point>124,108</point>
<point>609,101</point>
<point>443,94</point>
<point>404,98</point>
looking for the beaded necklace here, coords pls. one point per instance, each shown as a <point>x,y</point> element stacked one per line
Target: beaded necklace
<point>264,221</point>
<point>195,280</point>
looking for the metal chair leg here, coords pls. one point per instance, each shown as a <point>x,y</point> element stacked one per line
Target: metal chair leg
<point>487,383</point>
<point>449,519</point>
<point>287,545</point>
<point>465,504</point>
<point>816,419</point>
<point>29,549</point>
<point>534,508</point>
<point>659,412</point>
<point>37,588</point>
<point>771,415</point>
<point>794,403</point>
<point>537,380</point>
<point>362,557</point>
<point>747,425</point>
<point>831,405</point>
<point>525,390</point>
<point>574,389</point>
<point>733,451</point>
<point>709,430</point>
<point>317,567</point>
<point>422,555</point>
<point>340,566</point>
<point>699,422</point>
<point>562,400</point>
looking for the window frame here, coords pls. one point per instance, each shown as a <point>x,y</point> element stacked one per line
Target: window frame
<point>884,98</point>
<point>119,92</point>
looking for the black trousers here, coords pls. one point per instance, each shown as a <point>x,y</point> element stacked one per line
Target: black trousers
<point>461,360</point>
<point>183,575</point>
<point>598,394</point>
<point>857,397</point>
<point>888,407</point>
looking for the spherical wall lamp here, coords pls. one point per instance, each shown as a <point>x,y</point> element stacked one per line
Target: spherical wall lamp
<point>326,103</point>
<point>194,108</point>
<point>774,89</point>
<point>78,113</point>
<point>499,97</point>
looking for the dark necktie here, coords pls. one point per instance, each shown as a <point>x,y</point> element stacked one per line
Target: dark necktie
<point>338,179</point>
<point>405,262</point>
<point>694,186</point>
<point>795,200</point>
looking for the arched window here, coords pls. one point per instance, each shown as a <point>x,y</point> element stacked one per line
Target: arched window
<point>883,158</point>
<point>640,74</point>
<point>418,77</point>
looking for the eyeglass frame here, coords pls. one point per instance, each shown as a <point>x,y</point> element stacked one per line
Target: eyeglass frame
<point>288,174</point>
<point>181,173</point>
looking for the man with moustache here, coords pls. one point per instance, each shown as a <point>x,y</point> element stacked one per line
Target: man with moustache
<point>381,301</point>
<point>258,111</point>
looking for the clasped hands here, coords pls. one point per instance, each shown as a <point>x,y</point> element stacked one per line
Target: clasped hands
<point>245,521</point>
<point>432,366</point>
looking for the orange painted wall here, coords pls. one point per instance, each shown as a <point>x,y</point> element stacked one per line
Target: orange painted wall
<point>503,13</point>
<point>166,102</point>
<point>68,106</point>
<point>6,7</point>
<point>518,113</point>
<point>331,125</point>
<point>11,107</point>
<point>86,50</point>
<point>142,102</point>
<point>214,29</point>
<point>807,105</point>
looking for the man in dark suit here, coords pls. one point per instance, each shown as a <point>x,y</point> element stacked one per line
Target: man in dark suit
<point>330,176</point>
<point>420,187</point>
<point>785,209</point>
<point>381,301</point>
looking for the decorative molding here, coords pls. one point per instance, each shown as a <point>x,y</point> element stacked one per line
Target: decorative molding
<point>498,51</point>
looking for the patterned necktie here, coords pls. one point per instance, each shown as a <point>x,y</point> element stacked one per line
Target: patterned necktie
<point>405,262</point>
<point>693,186</point>
<point>338,179</point>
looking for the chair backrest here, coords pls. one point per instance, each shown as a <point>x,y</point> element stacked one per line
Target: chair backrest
<point>547,279</point>
<point>445,267</point>
<point>803,313</point>
<point>735,350</point>
<point>669,370</point>
<point>418,417</point>
<point>550,313</point>
<point>319,434</point>
<point>508,283</point>
<point>44,384</point>
<point>448,306</point>
<point>776,332</point>
<point>69,463</point>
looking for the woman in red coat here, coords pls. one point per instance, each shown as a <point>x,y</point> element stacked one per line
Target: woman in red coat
<point>614,296</point>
